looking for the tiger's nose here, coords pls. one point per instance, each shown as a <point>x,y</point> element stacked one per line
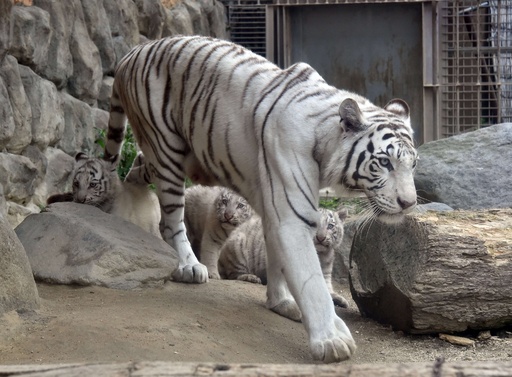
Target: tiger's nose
<point>404,204</point>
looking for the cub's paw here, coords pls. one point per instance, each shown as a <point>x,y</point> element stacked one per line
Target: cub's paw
<point>196,273</point>
<point>339,300</point>
<point>289,309</point>
<point>338,345</point>
<point>213,275</point>
<point>250,278</point>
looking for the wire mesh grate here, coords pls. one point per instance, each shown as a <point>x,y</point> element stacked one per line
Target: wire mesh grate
<point>247,23</point>
<point>476,64</point>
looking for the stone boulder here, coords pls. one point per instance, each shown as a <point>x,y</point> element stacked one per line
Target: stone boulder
<point>468,171</point>
<point>98,25</point>
<point>31,36</point>
<point>46,104</point>
<point>18,289</point>
<point>5,27</point>
<point>436,272</point>
<point>151,18</point>
<point>72,243</point>
<point>18,118</point>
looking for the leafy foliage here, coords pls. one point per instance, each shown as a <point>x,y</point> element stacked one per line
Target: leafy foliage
<point>128,151</point>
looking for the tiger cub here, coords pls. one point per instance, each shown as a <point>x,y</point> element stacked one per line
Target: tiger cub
<point>96,183</point>
<point>243,256</point>
<point>211,214</point>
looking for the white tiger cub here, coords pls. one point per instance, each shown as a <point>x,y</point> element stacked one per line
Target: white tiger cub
<point>276,137</point>
<point>243,256</point>
<point>211,214</point>
<point>96,183</point>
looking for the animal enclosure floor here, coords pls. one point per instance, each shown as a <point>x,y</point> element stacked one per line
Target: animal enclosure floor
<point>222,321</point>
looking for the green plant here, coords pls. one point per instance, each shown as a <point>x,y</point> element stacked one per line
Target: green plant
<point>128,151</point>
<point>329,203</point>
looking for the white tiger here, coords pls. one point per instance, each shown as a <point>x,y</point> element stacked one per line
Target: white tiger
<point>243,255</point>
<point>211,214</point>
<point>210,108</point>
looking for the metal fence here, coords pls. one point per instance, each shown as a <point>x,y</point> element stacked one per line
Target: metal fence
<point>467,65</point>
<point>247,23</point>
<point>475,64</point>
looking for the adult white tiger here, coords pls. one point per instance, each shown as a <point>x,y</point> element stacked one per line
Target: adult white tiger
<point>211,109</point>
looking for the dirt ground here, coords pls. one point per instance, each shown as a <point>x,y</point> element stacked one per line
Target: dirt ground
<point>222,321</point>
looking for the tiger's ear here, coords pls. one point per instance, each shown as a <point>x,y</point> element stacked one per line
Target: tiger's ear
<point>81,156</point>
<point>351,117</point>
<point>398,107</point>
<point>342,214</point>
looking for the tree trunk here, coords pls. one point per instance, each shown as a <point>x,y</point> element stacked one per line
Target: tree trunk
<point>436,272</point>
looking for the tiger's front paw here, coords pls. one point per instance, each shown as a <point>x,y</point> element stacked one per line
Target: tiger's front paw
<point>196,273</point>
<point>336,345</point>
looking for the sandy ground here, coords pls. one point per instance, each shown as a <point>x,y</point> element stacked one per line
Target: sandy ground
<point>222,321</point>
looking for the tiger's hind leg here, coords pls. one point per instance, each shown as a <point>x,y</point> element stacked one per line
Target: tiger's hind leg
<point>279,298</point>
<point>170,184</point>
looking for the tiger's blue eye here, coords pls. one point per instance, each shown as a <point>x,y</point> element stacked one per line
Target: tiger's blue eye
<point>384,162</point>
<point>330,226</point>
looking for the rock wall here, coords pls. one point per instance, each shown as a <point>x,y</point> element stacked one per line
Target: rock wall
<point>57,60</point>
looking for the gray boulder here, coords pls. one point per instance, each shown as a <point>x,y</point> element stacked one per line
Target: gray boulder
<point>178,21</point>
<point>59,66</point>
<point>5,27</point>
<point>98,25</point>
<point>18,176</point>
<point>57,178</point>
<point>79,132</point>
<point>31,36</point>
<point>105,93</point>
<point>85,81</point>
<point>47,115</point>
<point>123,18</point>
<point>6,116</point>
<point>72,243</point>
<point>468,171</point>
<point>19,105</point>
<point>18,289</point>
<point>151,18</point>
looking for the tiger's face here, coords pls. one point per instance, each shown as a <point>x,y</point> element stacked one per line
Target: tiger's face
<point>382,161</point>
<point>231,209</point>
<point>91,180</point>
<point>329,233</point>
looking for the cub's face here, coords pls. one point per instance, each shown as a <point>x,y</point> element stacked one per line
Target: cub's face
<point>91,181</point>
<point>329,233</point>
<point>231,209</point>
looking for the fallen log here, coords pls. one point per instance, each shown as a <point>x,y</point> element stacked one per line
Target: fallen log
<point>436,272</point>
<point>438,368</point>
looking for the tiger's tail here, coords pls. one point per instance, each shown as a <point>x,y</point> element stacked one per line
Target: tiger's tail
<point>116,127</point>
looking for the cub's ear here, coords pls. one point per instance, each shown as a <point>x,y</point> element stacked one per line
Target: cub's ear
<point>342,214</point>
<point>351,117</point>
<point>398,107</point>
<point>81,156</point>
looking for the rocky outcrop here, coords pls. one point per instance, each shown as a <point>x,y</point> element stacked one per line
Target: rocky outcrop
<point>72,243</point>
<point>18,289</point>
<point>56,74</point>
<point>436,272</point>
<point>468,171</point>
